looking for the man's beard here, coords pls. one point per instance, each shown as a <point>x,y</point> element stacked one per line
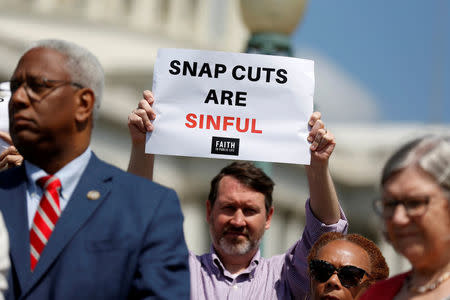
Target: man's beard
<point>235,246</point>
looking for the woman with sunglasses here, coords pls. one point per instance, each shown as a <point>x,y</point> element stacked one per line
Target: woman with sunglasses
<point>415,208</point>
<point>342,267</point>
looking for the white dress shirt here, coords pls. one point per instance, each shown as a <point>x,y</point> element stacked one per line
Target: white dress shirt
<point>69,176</point>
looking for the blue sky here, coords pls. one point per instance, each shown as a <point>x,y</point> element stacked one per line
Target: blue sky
<point>398,50</point>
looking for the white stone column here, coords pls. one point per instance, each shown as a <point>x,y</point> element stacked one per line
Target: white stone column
<point>44,6</point>
<point>108,10</point>
<point>179,19</point>
<point>201,26</point>
<point>274,237</point>
<point>117,11</point>
<point>195,229</point>
<point>147,14</point>
<point>236,34</point>
<point>295,225</point>
<point>95,10</point>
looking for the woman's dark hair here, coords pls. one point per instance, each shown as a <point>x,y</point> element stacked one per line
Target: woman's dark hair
<point>247,174</point>
<point>379,268</point>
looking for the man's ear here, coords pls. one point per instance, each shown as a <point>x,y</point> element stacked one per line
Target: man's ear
<point>85,105</point>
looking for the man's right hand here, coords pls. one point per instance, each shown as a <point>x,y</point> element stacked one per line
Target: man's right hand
<point>140,119</point>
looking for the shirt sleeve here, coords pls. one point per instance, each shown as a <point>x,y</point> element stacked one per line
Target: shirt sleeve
<point>296,258</point>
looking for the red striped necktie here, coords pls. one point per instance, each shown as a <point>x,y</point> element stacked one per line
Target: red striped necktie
<point>45,218</point>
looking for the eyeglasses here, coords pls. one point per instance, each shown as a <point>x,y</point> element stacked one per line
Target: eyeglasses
<point>349,276</point>
<point>414,206</point>
<point>37,88</point>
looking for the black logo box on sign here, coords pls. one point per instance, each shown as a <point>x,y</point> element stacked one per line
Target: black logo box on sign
<point>223,145</point>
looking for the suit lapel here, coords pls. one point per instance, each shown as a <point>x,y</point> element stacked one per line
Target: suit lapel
<point>14,210</point>
<point>77,212</point>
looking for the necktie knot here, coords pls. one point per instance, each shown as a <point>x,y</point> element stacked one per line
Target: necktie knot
<point>49,182</point>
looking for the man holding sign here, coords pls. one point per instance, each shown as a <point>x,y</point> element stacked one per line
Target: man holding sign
<point>239,210</point>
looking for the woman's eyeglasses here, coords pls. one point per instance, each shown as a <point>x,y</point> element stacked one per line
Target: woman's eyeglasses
<point>414,206</point>
<point>349,276</point>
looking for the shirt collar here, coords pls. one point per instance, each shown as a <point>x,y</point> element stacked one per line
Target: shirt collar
<point>69,175</point>
<point>217,264</point>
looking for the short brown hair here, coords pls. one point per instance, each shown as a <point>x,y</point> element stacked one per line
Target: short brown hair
<point>247,174</point>
<point>379,268</point>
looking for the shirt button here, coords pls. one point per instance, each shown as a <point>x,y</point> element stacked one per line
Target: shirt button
<point>235,287</point>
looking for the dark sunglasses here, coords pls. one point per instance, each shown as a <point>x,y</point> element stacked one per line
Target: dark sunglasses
<point>349,276</point>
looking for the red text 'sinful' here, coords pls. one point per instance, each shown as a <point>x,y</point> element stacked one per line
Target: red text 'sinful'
<point>222,123</point>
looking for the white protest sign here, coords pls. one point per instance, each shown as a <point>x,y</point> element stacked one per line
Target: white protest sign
<point>232,106</point>
<point>5,94</point>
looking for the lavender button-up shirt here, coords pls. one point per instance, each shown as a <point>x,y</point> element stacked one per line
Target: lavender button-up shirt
<point>279,277</point>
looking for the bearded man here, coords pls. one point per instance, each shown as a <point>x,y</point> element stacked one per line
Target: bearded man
<point>239,210</point>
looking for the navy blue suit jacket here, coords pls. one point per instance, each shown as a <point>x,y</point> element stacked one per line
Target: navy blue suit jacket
<point>128,244</point>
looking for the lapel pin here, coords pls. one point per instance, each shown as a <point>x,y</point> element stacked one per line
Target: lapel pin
<point>93,195</point>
